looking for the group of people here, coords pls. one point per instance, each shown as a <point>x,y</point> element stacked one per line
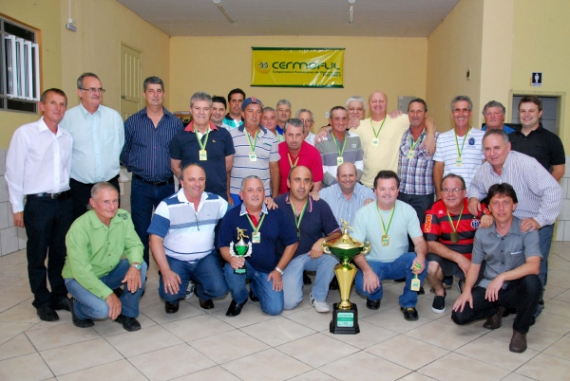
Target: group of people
<point>257,176</point>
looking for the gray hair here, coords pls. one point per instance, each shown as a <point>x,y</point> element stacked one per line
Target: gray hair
<point>356,98</point>
<point>101,185</point>
<point>200,96</point>
<point>500,133</point>
<point>494,103</point>
<point>461,98</point>
<point>153,81</point>
<point>305,110</point>
<point>283,102</point>
<point>250,177</point>
<point>269,109</point>
<point>80,79</point>
<point>295,122</point>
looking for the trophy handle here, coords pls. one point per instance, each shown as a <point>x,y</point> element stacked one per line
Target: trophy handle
<point>325,248</point>
<point>366,248</point>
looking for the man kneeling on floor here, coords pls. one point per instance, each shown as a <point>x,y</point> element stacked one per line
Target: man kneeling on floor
<point>182,241</point>
<point>509,278</point>
<point>96,243</point>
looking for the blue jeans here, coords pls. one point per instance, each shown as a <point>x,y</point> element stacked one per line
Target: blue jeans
<point>144,199</point>
<point>271,301</point>
<point>545,236</point>
<point>398,269</point>
<point>89,306</point>
<point>293,278</point>
<point>206,273</point>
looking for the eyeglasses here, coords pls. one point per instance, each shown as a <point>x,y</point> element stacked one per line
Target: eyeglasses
<point>93,90</point>
<point>452,190</point>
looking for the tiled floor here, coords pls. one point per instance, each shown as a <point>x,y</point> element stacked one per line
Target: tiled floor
<point>206,345</point>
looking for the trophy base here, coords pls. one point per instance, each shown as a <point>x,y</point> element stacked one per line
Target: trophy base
<point>344,322</point>
<point>241,271</point>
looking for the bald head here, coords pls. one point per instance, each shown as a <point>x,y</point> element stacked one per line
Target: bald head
<point>347,176</point>
<point>378,104</point>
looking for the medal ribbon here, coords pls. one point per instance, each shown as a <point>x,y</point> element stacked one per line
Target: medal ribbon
<point>457,142</point>
<point>256,228</point>
<point>291,164</point>
<point>300,217</point>
<point>458,220</point>
<point>380,129</point>
<point>254,140</point>
<point>412,144</point>
<point>203,146</point>
<point>340,152</point>
<point>384,230</point>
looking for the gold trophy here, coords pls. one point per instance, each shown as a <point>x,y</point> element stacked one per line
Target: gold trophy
<point>345,314</point>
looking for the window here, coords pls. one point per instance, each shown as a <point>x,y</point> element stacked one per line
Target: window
<point>19,67</point>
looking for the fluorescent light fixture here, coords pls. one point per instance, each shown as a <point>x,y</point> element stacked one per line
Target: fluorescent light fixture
<point>224,12</point>
<point>350,11</point>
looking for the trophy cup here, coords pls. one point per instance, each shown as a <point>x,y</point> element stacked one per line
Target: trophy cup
<point>240,249</point>
<point>345,314</point>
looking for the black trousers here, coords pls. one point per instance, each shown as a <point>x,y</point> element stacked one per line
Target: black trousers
<point>47,222</point>
<point>522,294</point>
<point>81,193</point>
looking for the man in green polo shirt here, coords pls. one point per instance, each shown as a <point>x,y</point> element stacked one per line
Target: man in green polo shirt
<point>96,244</point>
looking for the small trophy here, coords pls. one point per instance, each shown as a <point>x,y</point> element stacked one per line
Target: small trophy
<point>345,314</point>
<point>240,249</point>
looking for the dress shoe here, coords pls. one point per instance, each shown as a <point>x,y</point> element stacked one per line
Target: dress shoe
<point>129,323</point>
<point>306,279</point>
<point>171,308</point>
<point>206,304</point>
<point>495,321</point>
<point>253,298</point>
<point>410,313</point>
<point>235,308</point>
<point>518,342</point>
<point>373,304</point>
<point>46,313</point>
<point>61,304</point>
<point>79,323</point>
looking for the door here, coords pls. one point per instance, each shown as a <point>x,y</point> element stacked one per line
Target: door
<point>131,81</point>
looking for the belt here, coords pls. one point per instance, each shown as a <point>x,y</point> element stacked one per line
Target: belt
<point>53,196</point>
<point>155,183</point>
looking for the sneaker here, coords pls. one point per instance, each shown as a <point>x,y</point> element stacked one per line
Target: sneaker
<point>438,305</point>
<point>320,306</point>
<point>190,289</point>
<point>410,313</point>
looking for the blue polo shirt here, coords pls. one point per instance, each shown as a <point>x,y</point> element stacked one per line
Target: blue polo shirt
<point>318,222</point>
<point>275,228</point>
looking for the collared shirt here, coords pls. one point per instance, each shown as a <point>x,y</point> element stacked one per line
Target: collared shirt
<point>311,139</point>
<point>146,147</point>
<point>98,140</point>
<point>230,123</point>
<point>266,151</point>
<point>318,221</point>
<point>329,149</point>
<point>507,129</point>
<point>539,195</point>
<point>38,161</point>
<point>95,249</point>
<point>186,148</point>
<point>472,154</point>
<point>545,146</point>
<point>343,208</point>
<point>503,253</point>
<point>416,174</point>
<point>188,233</point>
<point>275,227</point>
<point>308,156</point>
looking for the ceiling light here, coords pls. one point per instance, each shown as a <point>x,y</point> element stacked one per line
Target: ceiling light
<point>350,11</point>
<point>224,12</point>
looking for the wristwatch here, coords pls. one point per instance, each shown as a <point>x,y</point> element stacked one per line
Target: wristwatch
<point>279,270</point>
<point>136,266</point>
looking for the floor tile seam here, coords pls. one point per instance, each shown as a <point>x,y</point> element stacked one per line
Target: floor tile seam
<point>447,349</point>
<point>467,357</point>
<point>416,371</point>
<point>554,354</point>
<point>138,354</point>
<point>228,361</point>
<point>390,361</point>
<point>66,345</point>
<point>498,366</point>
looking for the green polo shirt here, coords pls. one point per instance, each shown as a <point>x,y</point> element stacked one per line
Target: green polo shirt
<point>94,249</point>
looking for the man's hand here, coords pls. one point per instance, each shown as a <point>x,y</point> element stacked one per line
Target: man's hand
<point>277,281</point>
<point>463,263</point>
<point>19,219</point>
<point>465,297</point>
<point>395,113</point>
<point>529,224</point>
<point>114,306</point>
<point>237,262</point>
<point>171,282</point>
<point>474,206</point>
<point>315,196</point>
<point>132,279</point>
<point>487,221</point>
<point>321,136</point>
<point>492,293</point>
<point>429,144</point>
<point>368,201</point>
<point>270,203</point>
<point>353,123</point>
<point>230,200</point>
<point>316,250</point>
<point>418,266</point>
<point>371,281</point>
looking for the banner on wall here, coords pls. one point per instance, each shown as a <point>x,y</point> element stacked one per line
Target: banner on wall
<point>297,67</point>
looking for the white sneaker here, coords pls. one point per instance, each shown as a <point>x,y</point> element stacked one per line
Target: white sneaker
<point>320,306</point>
<point>190,289</point>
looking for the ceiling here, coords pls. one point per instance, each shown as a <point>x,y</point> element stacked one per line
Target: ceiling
<point>375,18</point>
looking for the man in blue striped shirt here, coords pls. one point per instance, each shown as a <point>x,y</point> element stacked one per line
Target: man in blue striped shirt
<point>147,137</point>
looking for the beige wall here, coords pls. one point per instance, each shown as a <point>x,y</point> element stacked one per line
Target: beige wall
<point>219,64</point>
<point>454,47</point>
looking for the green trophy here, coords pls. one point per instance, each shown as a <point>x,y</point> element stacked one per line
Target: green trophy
<point>240,249</point>
<point>345,314</point>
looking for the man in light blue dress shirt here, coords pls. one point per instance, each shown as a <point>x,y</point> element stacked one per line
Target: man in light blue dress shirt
<point>98,137</point>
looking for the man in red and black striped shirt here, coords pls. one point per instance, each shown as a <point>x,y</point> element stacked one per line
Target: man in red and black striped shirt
<point>449,230</point>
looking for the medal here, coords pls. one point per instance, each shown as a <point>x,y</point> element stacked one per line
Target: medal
<point>412,150</point>
<point>411,154</point>
<point>385,240</point>
<point>256,237</point>
<point>459,161</point>
<point>299,218</point>
<point>375,142</point>
<point>252,156</point>
<point>415,284</point>
<point>203,155</point>
<point>339,160</point>
<point>454,237</point>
